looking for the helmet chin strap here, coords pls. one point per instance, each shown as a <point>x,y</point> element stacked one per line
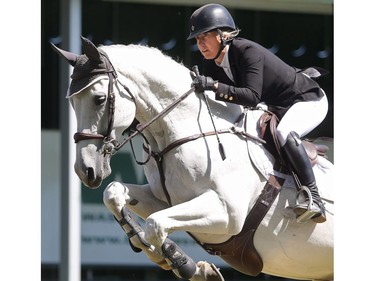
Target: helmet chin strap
<point>223,43</point>
<point>220,50</point>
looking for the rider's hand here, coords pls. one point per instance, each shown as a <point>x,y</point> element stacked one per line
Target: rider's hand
<point>202,83</point>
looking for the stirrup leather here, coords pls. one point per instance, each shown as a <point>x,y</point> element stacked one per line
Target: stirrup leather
<point>311,208</point>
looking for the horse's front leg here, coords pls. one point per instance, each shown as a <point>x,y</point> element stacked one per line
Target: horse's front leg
<point>206,215</point>
<point>139,199</point>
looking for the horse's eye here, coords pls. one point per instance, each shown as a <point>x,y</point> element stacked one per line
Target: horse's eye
<point>99,100</point>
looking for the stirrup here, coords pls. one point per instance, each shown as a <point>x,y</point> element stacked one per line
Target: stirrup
<point>313,211</point>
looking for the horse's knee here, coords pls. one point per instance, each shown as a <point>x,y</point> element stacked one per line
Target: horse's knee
<point>155,232</point>
<point>114,197</point>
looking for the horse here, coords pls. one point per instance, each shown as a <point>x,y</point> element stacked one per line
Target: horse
<point>206,168</point>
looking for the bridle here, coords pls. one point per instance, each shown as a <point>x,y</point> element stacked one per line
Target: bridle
<point>111,145</point>
<point>107,139</point>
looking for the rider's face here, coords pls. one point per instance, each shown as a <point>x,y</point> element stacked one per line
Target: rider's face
<point>208,44</point>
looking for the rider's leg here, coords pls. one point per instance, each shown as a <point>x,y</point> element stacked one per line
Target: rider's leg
<point>296,156</point>
<point>299,120</point>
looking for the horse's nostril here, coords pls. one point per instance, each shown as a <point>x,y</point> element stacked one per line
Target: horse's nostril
<point>90,174</point>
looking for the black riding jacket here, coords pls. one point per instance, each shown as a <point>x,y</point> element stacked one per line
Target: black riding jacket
<point>260,76</point>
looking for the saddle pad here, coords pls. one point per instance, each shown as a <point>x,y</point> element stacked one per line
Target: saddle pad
<point>262,159</point>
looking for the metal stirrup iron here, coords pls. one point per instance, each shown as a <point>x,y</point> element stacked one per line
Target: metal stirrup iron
<point>311,211</point>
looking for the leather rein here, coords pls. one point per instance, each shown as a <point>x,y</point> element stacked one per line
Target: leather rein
<point>107,139</point>
<point>111,145</point>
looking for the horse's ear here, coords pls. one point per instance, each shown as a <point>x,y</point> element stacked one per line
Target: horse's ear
<point>90,50</point>
<point>70,57</point>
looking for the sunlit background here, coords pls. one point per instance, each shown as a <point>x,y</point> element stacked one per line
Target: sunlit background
<point>299,32</point>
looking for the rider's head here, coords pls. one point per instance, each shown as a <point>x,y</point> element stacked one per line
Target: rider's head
<point>210,17</point>
<point>213,17</point>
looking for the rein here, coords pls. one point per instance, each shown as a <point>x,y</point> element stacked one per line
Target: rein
<point>158,156</point>
<point>107,139</point>
<point>141,128</point>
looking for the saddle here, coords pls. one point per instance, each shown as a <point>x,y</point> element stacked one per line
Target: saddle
<point>232,251</point>
<point>268,123</point>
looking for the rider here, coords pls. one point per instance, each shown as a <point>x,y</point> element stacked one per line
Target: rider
<point>241,71</point>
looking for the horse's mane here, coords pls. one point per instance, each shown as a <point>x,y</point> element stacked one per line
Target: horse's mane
<point>158,77</point>
<point>152,70</point>
<point>143,57</point>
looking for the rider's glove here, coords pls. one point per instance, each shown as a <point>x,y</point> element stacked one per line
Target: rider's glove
<point>202,83</point>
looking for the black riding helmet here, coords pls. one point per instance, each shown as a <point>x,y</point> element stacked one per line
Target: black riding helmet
<point>210,17</point>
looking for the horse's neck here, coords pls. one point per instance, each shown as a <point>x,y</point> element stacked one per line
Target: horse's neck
<point>180,122</point>
<point>156,81</point>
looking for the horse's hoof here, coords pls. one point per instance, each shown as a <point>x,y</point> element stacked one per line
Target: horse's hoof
<point>208,272</point>
<point>180,262</point>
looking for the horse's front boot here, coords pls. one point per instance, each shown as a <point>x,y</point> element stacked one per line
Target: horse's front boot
<point>132,228</point>
<point>178,260</point>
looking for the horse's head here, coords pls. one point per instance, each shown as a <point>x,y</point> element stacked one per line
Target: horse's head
<point>103,109</point>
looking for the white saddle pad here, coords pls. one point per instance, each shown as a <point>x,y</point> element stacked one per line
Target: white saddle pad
<point>259,155</point>
<point>264,161</point>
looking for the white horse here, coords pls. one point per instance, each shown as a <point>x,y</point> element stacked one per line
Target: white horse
<point>190,187</point>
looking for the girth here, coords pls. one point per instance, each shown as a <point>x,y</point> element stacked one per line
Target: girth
<point>239,251</point>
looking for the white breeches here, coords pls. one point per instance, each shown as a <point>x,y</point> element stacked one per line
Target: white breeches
<point>302,118</point>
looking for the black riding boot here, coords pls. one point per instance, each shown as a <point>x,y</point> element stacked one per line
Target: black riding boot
<point>295,154</point>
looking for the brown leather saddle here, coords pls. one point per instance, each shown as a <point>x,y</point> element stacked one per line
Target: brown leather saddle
<point>268,123</point>
<point>239,251</point>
